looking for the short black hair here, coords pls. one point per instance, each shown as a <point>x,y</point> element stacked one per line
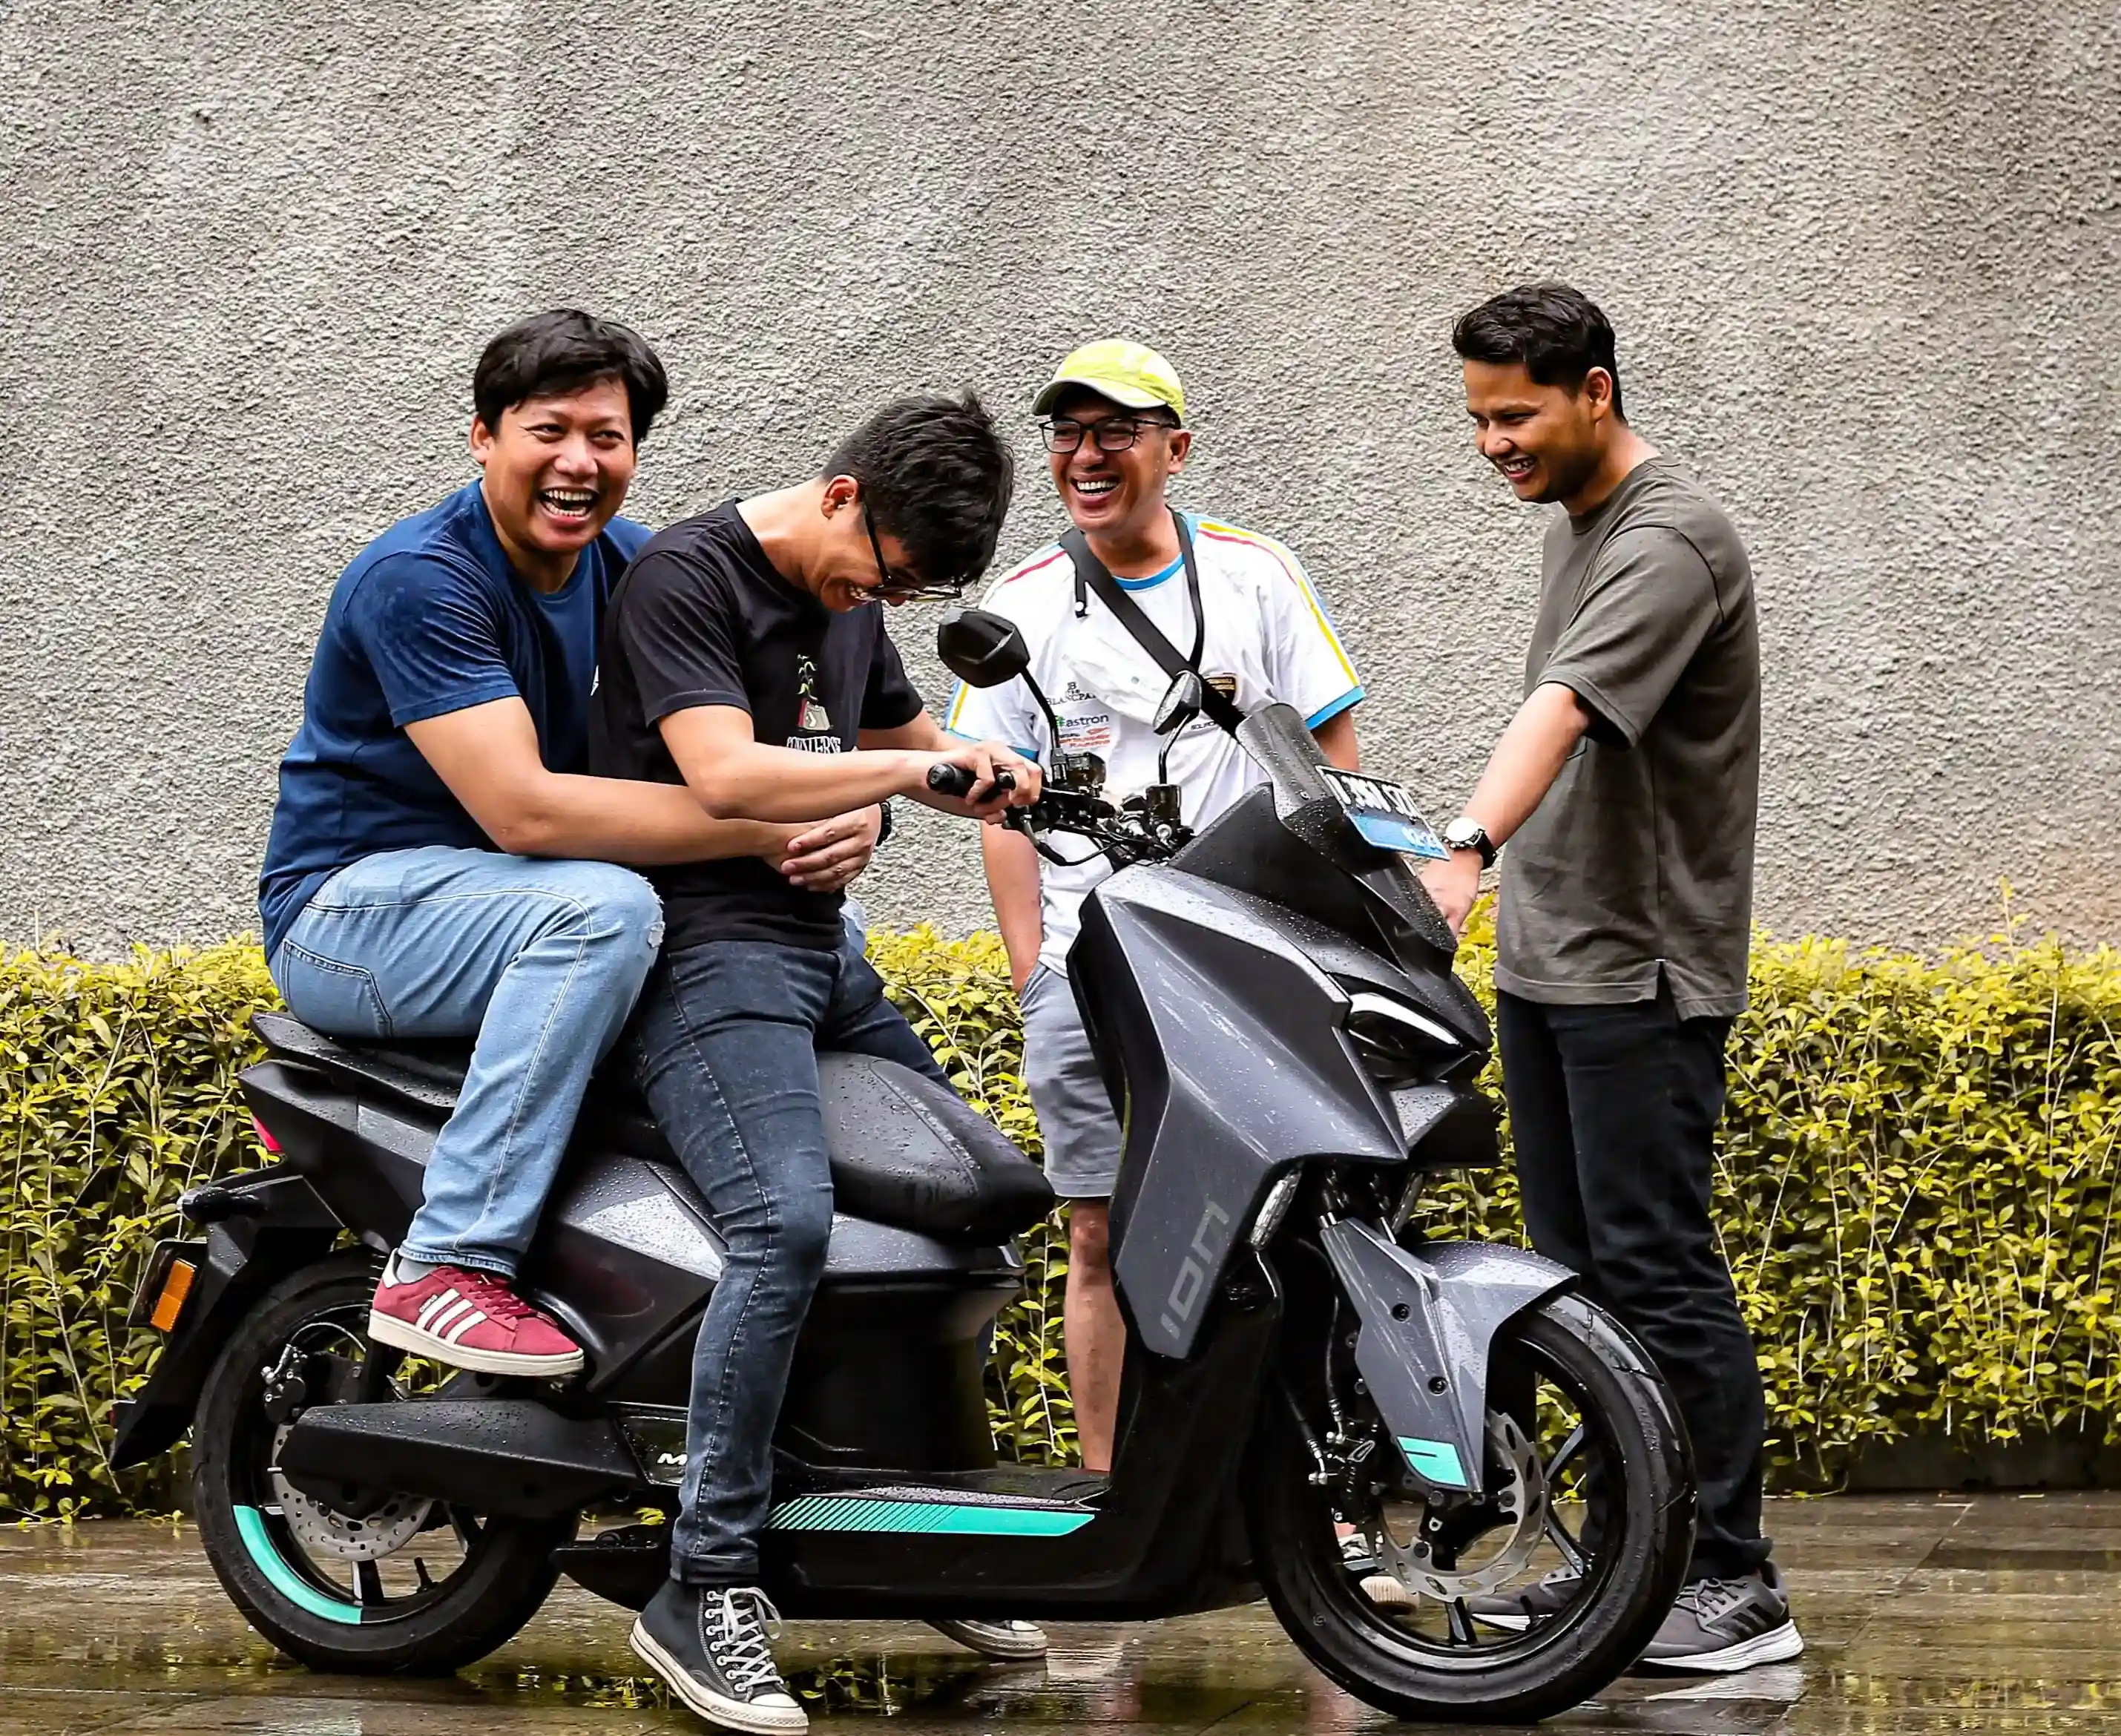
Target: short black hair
<point>563,351</point>
<point>936,474</point>
<point>1557,332</point>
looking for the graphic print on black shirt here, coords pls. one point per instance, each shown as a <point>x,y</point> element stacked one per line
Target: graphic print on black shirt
<point>813,723</point>
<point>702,619</point>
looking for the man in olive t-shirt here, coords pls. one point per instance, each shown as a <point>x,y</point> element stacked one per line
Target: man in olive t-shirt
<point>1626,787</point>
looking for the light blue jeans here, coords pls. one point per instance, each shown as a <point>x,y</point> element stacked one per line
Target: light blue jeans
<point>539,961</point>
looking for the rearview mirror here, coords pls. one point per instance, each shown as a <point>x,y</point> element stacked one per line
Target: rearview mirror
<point>1180,703</point>
<point>980,648</point>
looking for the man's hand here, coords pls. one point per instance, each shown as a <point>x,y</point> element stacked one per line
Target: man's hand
<point>826,857</point>
<point>1519,772</point>
<point>983,759</point>
<point>1454,885</point>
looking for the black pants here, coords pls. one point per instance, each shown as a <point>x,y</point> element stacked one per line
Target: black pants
<point>1613,1110</point>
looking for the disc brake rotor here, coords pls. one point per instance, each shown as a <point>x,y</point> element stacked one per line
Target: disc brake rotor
<point>323,1531</point>
<point>1522,1501</point>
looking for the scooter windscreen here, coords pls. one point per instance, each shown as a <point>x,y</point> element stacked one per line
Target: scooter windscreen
<point>1381,899</point>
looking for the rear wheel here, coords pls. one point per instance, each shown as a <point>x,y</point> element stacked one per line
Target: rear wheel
<point>1416,1642</point>
<point>413,1587</point>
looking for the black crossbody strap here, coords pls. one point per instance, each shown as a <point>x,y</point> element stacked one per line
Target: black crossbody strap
<point>1145,632</point>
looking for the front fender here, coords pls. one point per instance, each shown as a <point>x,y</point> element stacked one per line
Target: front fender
<point>1429,1316</point>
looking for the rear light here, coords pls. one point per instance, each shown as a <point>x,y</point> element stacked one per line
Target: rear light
<point>264,1138</point>
<point>169,1302</point>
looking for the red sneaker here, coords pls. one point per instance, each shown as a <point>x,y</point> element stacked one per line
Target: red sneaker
<point>471,1320</point>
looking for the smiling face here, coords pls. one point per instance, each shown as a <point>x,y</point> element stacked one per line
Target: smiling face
<point>1547,440</point>
<point>1116,495</point>
<point>556,470</point>
<point>855,563</point>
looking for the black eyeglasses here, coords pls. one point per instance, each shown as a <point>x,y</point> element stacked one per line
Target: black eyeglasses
<point>1111,433</point>
<point>898,587</point>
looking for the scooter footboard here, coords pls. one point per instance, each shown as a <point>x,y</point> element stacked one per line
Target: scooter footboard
<point>1429,1316</point>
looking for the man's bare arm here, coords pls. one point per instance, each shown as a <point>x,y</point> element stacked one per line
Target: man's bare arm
<point>487,754</point>
<point>1336,740</point>
<point>731,774</point>
<point>1012,866</point>
<point>1519,772</point>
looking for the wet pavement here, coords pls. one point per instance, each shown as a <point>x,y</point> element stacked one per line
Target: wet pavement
<point>1990,1616</point>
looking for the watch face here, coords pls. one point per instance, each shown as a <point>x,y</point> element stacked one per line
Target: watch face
<point>1461,834</point>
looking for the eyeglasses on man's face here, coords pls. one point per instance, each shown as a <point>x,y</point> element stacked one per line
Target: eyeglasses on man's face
<point>896,586</point>
<point>1110,433</point>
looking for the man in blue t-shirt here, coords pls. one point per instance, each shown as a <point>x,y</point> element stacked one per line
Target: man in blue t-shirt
<point>441,866</point>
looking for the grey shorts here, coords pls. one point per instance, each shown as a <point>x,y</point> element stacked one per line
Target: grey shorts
<point>1075,1117</point>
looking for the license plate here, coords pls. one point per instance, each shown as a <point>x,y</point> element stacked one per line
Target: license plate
<point>1385,814</point>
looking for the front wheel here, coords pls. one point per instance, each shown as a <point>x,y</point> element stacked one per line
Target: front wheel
<point>1405,1605</point>
<point>406,1586</point>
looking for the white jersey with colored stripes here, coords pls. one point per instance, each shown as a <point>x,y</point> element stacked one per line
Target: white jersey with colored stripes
<point>1268,639</point>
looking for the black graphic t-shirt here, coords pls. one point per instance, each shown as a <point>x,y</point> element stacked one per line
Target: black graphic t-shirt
<point>701,617</point>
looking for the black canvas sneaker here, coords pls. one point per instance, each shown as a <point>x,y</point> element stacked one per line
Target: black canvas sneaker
<point>1722,1625</point>
<point>709,1644</point>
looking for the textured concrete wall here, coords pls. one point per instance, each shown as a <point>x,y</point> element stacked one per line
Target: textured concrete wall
<point>1863,261</point>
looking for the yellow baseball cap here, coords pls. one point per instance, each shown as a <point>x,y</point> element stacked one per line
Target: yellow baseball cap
<point>1131,375</point>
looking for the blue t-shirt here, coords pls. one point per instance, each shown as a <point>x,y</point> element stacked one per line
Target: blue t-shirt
<point>429,619</point>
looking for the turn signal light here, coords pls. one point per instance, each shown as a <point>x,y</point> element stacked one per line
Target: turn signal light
<point>176,1285</point>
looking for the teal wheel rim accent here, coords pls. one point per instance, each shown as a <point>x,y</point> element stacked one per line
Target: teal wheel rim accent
<point>250,1523</point>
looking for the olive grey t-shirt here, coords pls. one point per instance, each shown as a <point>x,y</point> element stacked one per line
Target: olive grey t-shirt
<point>1640,859</point>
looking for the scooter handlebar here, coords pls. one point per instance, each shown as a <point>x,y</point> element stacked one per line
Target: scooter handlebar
<point>957,782</point>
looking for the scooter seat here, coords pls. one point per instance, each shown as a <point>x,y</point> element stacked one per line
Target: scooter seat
<point>905,1151</point>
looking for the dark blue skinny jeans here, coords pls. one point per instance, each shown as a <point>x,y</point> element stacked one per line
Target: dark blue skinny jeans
<point>726,1049</point>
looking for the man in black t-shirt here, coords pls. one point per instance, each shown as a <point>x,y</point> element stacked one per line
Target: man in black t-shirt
<point>739,660</point>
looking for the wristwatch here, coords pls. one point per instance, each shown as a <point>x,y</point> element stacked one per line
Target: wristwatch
<point>1465,832</point>
<point>884,831</point>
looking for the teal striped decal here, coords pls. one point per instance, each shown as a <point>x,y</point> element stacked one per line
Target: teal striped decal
<point>863,1513</point>
<point>251,1523</point>
<point>1437,1460</point>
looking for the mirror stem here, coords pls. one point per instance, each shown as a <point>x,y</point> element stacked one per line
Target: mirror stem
<point>1052,722</point>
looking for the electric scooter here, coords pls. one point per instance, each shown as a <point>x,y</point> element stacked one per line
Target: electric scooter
<point>1374,1429</point>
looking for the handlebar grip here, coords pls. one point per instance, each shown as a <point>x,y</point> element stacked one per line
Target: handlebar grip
<point>957,780</point>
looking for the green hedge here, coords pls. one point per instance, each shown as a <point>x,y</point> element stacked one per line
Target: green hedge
<point>1917,1191</point>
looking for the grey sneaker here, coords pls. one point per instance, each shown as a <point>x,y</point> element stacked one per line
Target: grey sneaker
<point>1008,1642</point>
<point>1723,1625</point>
<point>709,1644</point>
<point>1518,1610</point>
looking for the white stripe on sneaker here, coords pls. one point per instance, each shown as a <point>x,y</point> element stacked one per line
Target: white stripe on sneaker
<point>454,1335</point>
<point>434,1306</point>
<point>441,1320</point>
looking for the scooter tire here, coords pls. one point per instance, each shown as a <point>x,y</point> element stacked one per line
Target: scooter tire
<point>507,1573</point>
<point>1300,1565</point>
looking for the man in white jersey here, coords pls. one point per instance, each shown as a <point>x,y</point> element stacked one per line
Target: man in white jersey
<point>1115,416</point>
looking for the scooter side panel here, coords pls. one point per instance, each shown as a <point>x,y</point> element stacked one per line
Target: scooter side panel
<point>1166,1537</point>
<point>1228,1042</point>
